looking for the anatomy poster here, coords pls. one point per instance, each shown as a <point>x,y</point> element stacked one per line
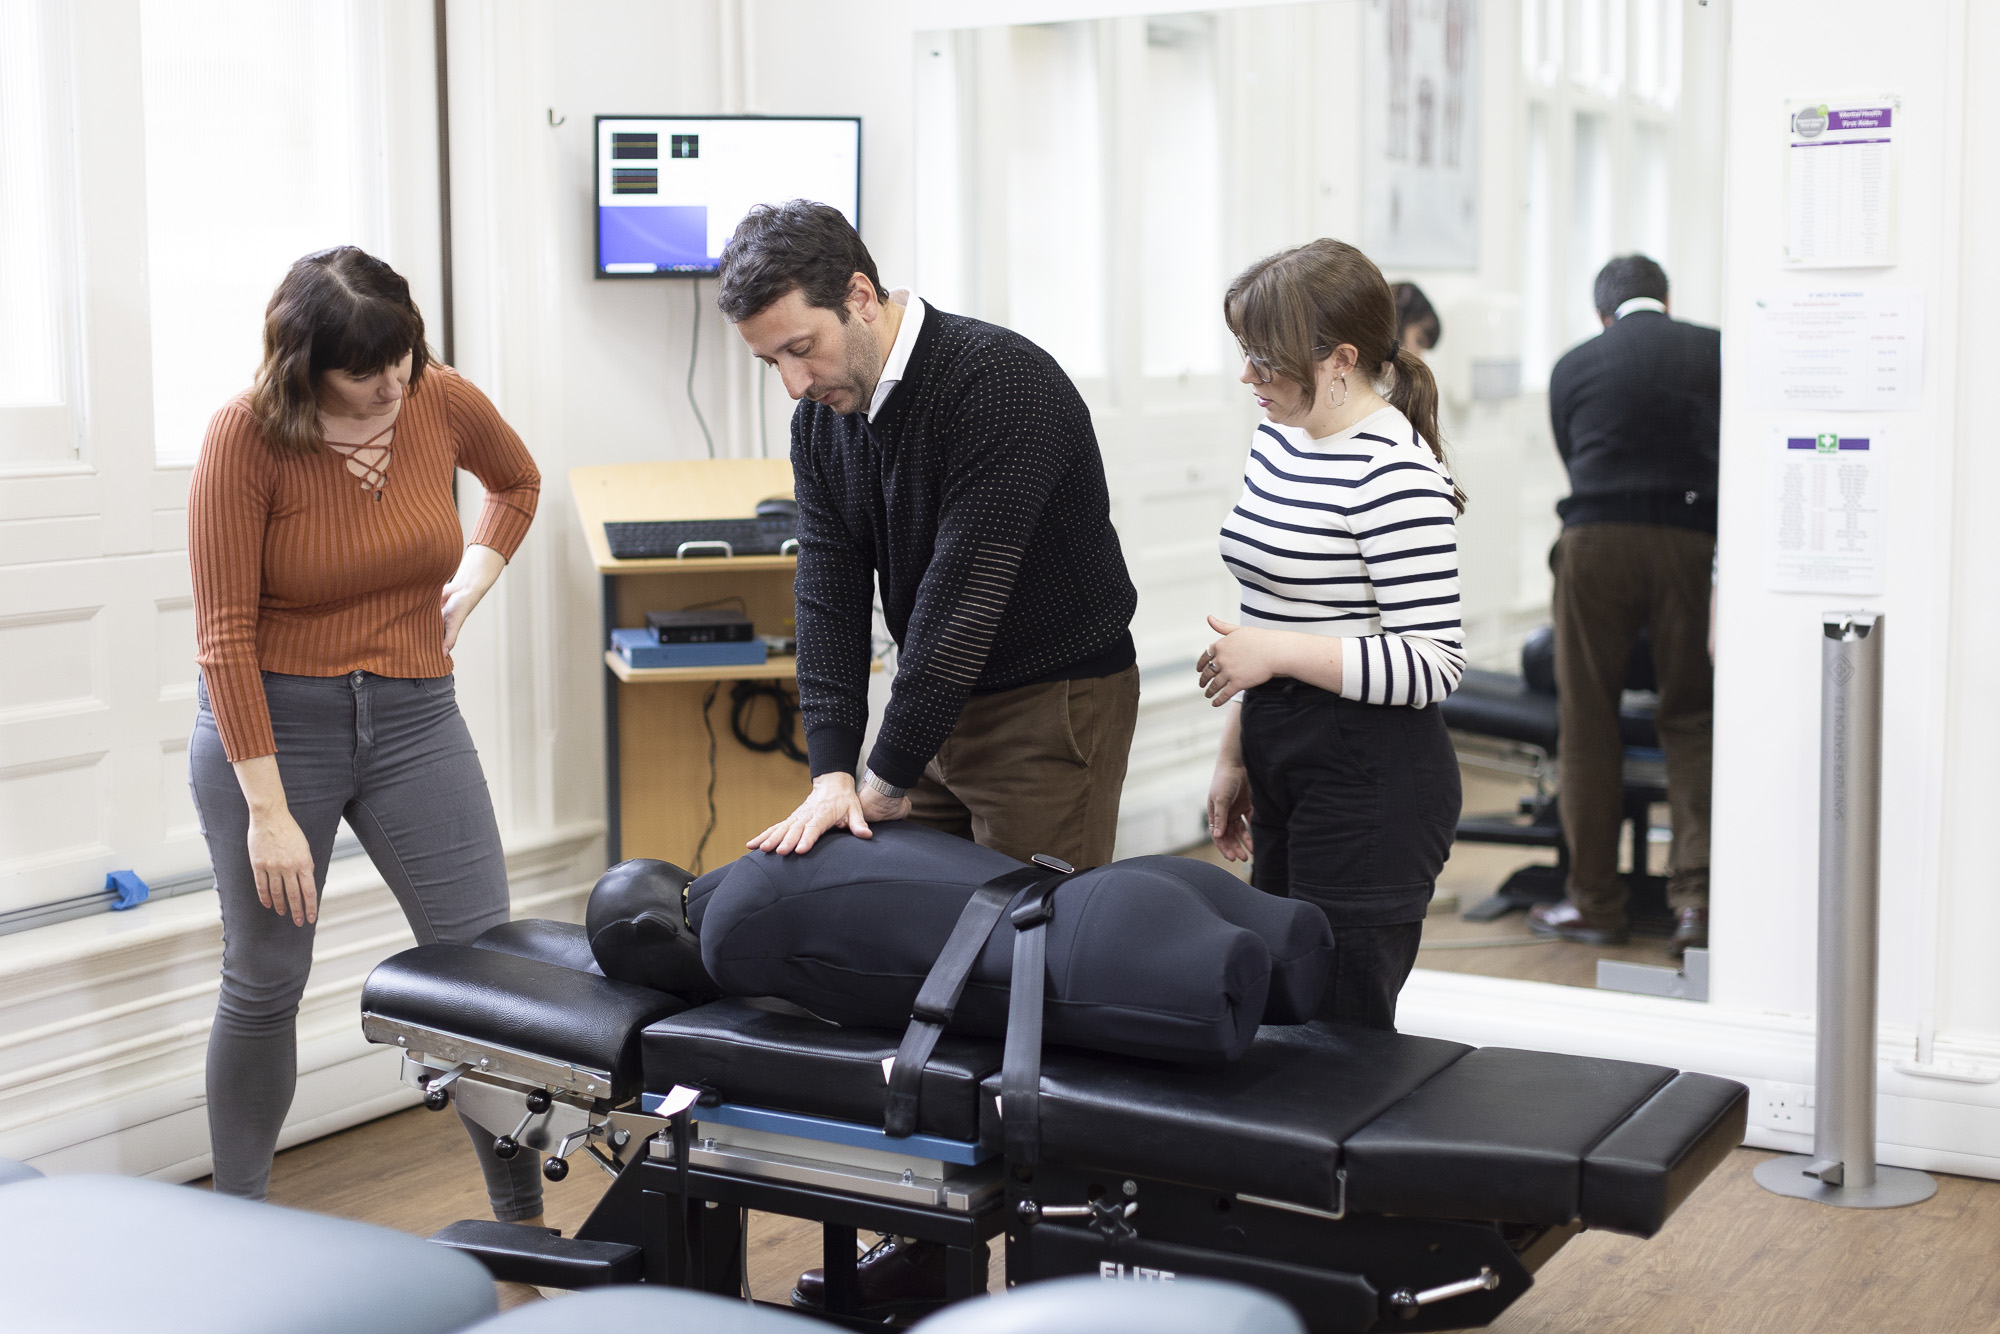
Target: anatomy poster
<point>1420,133</point>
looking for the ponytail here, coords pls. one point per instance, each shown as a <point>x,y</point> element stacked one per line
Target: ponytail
<point>1413,392</point>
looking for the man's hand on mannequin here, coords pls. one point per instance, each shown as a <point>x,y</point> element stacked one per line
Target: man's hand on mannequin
<point>834,802</point>
<point>880,808</point>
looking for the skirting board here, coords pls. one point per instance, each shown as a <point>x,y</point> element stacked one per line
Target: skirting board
<point>1933,1124</point>
<point>125,1090</point>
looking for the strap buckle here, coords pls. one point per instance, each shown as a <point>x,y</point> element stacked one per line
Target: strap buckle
<point>1037,907</point>
<point>940,1015</point>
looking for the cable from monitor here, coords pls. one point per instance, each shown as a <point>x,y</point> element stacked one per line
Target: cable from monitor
<point>694,351</point>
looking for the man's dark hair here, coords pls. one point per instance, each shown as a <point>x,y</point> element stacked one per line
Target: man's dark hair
<point>1626,277</point>
<point>797,246</point>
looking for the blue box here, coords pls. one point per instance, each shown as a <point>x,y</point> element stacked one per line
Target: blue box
<point>642,648</point>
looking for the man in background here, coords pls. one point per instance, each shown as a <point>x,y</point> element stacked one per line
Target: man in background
<point>1635,412</point>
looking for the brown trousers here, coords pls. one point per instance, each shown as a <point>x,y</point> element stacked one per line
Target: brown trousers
<point>1036,769</point>
<point>1612,579</point>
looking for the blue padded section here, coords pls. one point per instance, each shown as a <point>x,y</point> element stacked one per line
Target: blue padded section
<point>833,1132</point>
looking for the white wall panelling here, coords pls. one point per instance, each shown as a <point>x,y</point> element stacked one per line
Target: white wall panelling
<point>102,1055</point>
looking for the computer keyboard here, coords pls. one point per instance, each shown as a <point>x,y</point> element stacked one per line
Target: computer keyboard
<point>665,539</point>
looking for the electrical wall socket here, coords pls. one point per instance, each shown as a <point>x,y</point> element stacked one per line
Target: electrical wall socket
<point>1783,1107</point>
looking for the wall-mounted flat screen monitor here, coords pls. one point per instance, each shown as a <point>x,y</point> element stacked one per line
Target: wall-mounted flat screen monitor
<point>671,189</point>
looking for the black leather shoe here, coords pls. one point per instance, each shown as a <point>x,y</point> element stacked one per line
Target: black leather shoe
<point>895,1277</point>
<point>1567,921</point>
<point>1690,931</point>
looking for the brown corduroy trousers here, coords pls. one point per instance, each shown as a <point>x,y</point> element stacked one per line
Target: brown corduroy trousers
<point>1611,579</point>
<point>1036,769</point>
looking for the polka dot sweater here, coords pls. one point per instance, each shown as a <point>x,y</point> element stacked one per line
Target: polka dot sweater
<point>977,499</point>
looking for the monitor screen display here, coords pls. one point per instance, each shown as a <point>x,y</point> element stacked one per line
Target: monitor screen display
<point>671,189</point>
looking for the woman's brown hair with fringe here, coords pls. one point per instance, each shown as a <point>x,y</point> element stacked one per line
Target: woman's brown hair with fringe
<point>1291,309</point>
<point>336,310</point>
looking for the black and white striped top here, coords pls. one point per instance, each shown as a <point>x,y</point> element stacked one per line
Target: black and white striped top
<point>1354,536</point>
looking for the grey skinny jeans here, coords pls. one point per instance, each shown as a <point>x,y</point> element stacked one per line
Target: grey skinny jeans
<point>393,756</point>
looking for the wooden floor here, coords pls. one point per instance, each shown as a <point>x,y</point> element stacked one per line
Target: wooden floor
<point>1734,1260</point>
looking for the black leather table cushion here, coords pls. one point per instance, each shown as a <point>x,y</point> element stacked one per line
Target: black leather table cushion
<point>1500,704</point>
<point>1271,1124</point>
<point>1638,1174</point>
<point>565,943</point>
<point>527,1004</point>
<point>1500,1135</point>
<point>794,1063</point>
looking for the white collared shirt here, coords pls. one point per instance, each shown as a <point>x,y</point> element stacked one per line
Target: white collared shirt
<point>1639,303</point>
<point>899,354</point>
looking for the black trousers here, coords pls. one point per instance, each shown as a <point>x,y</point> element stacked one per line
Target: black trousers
<point>1353,807</point>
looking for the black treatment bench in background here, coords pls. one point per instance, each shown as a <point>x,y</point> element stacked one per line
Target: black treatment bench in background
<point>1511,722</point>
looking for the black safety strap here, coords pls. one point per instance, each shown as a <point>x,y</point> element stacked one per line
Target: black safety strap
<point>937,999</point>
<point>1021,1059</point>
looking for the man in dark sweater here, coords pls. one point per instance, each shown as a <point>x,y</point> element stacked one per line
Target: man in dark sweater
<point>1635,412</point>
<point>954,462</point>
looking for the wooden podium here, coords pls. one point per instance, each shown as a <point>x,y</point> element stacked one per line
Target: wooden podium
<point>657,749</point>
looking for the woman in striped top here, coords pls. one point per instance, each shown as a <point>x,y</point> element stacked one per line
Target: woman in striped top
<point>331,578</point>
<point>1336,768</point>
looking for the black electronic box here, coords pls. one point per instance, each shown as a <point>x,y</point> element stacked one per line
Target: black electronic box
<point>700,627</point>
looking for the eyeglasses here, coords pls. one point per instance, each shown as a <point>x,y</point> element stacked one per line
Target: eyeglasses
<point>1262,368</point>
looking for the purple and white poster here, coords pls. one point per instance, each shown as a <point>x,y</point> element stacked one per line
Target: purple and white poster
<point>1840,183</point>
<point>1420,133</point>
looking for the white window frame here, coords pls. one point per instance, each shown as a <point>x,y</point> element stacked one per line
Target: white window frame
<point>93,564</point>
<point>42,439</point>
<point>1560,84</point>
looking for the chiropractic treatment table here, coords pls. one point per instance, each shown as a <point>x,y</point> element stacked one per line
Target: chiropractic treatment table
<point>1371,1180</point>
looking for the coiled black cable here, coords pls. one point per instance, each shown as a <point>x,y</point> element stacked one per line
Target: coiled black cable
<point>743,699</point>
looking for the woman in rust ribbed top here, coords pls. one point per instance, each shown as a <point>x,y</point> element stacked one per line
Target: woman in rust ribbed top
<point>331,578</point>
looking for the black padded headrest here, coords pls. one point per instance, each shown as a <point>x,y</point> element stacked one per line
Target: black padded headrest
<point>638,929</point>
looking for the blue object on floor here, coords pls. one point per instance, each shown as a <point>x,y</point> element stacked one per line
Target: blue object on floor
<point>12,1171</point>
<point>132,891</point>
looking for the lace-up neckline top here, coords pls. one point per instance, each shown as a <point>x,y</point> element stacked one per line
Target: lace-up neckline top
<point>370,459</point>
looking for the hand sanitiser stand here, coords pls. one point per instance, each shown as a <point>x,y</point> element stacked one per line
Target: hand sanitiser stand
<point>1841,1169</point>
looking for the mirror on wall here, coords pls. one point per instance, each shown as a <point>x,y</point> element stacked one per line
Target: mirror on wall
<point>1095,184</point>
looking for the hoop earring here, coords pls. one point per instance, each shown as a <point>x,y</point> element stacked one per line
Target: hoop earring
<point>1343,392</point>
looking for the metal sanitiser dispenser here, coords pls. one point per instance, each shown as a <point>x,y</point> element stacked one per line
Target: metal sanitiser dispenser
<point>1841,1169</point>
